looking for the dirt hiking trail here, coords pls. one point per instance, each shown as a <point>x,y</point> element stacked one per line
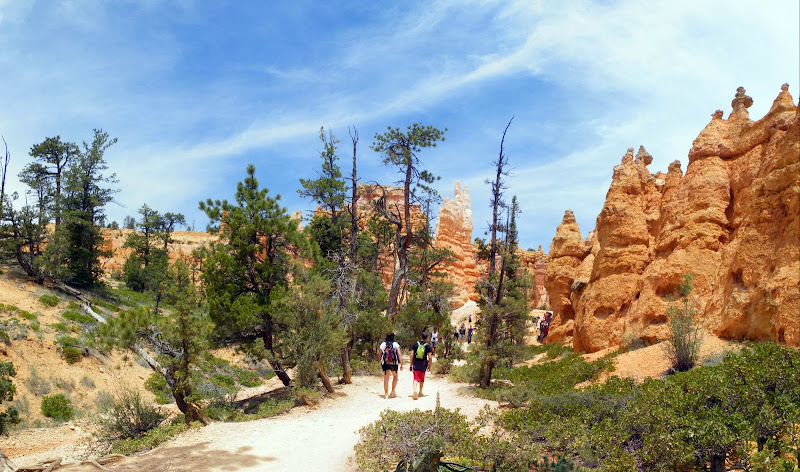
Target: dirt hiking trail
<point>307,438</point>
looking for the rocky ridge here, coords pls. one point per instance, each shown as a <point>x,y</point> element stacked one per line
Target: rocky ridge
<point>733,220</point>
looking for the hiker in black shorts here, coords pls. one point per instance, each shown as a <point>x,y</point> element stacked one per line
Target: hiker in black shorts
<point>420,363</point>
<point>391,360</point>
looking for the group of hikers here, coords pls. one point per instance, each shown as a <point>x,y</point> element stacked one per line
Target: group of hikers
<point>464,332</point>
<point>543,325</point>
<point>420,359</point>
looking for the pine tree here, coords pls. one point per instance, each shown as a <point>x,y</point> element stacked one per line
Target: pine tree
<point>53,159</point>
<point>258,243</point>
<point>74,254</point>
<point>171,342</point>
<point>400,149</point>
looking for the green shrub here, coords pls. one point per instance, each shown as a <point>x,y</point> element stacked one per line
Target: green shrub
<point>28,315</point>
<point>131,416</point>
<point>410,436</point>
<point>442,366</point>
<point>78,317</point>
<point>107,305</point>
<point>49,300</point>
<point>57,407</point>
<point>61,327</point>
<point>157,385</point>
<point>245,377</point>
<point>71,351</point>
<point>149,440</point>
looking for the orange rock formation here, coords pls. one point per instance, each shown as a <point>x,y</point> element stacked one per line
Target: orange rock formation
<point>536,264</point>
<point>733,221</point>
<point>454,232</point>
<point>184,243</point>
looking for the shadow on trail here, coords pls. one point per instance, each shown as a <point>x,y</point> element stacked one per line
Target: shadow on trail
<point>250,405</point>
<point>198,457</point>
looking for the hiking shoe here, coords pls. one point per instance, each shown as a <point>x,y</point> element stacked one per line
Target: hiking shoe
<point>414,396</point>
<point>392,395</point>
<point>385,396</point>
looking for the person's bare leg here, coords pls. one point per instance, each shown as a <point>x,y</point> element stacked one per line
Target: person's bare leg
<point>394,384</point>
<point>385,383</point>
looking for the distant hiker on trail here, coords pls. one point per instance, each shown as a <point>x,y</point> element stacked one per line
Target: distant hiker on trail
<point>463,330</point>
<point>455,335</point>
<point>470,319</point>
<point>469,335</point>
<point>434,339</point>
<point>544,328</point>
<point>391,359</point>
<point>420,363</point>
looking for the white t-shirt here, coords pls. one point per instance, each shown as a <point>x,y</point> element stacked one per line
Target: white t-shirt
<point>394,345</point>
<point>434,337</point>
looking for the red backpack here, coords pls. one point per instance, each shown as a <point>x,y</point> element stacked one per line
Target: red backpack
<point>389,355</point>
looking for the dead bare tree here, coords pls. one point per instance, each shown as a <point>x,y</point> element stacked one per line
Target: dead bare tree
<point>494,293</point>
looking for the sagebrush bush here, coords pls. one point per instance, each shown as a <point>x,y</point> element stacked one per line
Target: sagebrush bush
<point>37,385</point>
<point>132,416</point>
<point>685,336</point>
<point>410,436</point>
<point>57,407</point>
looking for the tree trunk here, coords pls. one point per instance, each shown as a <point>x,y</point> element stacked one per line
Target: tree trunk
<point>718,463</point>
<point>347,370</point>
<point>190,411</point>
<point>489,364</point>
<point>276,366</point>
<point>5,463</point>
<point>274,363</point>
<point>324,377</point>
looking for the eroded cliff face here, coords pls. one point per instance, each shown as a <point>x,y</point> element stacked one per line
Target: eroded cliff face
<point>733,221</point>
<point>454,232</point>
<point>185,242</point>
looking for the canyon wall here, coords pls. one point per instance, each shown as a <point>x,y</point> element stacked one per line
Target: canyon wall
<point>184,243</point>
<point>733,221</point>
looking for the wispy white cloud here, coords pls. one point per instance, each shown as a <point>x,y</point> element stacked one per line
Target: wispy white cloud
<point>648,73</point>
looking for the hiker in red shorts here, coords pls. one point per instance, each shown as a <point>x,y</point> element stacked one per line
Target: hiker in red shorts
<point>420,362</point>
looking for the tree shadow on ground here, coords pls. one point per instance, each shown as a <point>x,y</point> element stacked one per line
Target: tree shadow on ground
<point>195,458</point>
<point>250,405</point>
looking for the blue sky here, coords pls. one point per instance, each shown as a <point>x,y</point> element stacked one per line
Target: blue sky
<point>196,90</point>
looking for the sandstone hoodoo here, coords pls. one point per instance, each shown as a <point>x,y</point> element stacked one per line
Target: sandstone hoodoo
<point>536,264</point>
<point>733,220</point>
<point>566,253</point>
<point>454,232</point>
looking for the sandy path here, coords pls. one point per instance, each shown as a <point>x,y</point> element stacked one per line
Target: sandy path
<point>307,438</point>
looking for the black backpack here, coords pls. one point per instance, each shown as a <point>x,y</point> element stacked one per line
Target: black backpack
<point>389,355</point>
